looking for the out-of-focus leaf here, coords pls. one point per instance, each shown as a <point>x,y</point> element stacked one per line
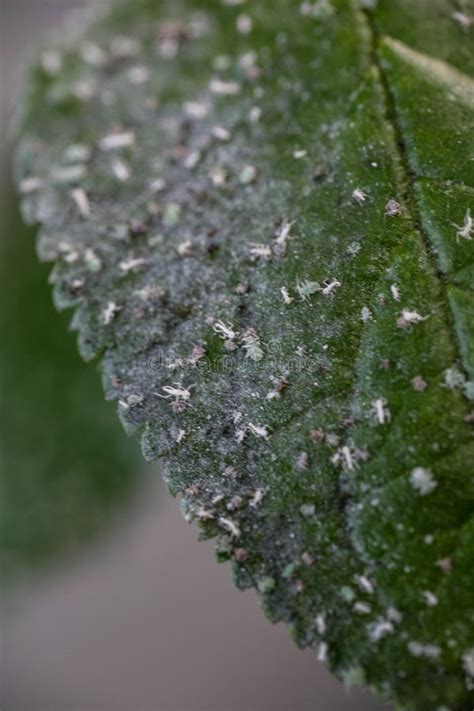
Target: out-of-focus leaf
<point>65,467</point>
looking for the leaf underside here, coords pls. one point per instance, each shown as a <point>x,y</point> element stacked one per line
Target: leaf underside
<point>261,216</point>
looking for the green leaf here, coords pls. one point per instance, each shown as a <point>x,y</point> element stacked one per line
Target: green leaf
<point>252,209</point>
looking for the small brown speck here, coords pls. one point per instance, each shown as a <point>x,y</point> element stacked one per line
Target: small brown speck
<point>318,436</point>
<point>240,554</point>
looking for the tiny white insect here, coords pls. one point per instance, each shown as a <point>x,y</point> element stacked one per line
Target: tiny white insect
<point>417,649</point>
<point>252,345</point>
<point>430,598</point>
<point>467,230</point>
<point>217,175</point>
<point>255,114</point>
<point>260,251</point>
<point>230,526</point>
<point>131,264</point>
<point>285,295</point>
<point>362,608</point>
<point>307,288</point>
<point>463,20</point>
<point>468,662</point>
<point>114,141</point>
<point>196,109</point>
<point>177,391</point>
<point>29,185</point>
<point>221,133</point>
<point>247,175</point>
<point>192,159</point>
<point>224,88</point>
<point>393,208</point>
<point>110,312</point>
<point>180,436</point>
<point>321,623</point>
<point>184,249</point>
<point>380,411</point>
<point>380,629</point>
<point>51,61</point>
<point>365,584</point>
<point>256,498</point>
<point>409,318</point>
<point>94,55</point>
<point>225,331</point>
<point>204,515</point>
<point>81,200</point>
<point>345,458</point>
<point>322,652</point>
<point>92,260</point>
<point>120,170</point>
<point>259,430</point>
<point>359,196</point>
<point>244,24</point>
<point>138,74</point>
<point>329,286</point>
<point>395,292</point>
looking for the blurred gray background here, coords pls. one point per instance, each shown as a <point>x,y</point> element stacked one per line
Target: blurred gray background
<point>139,617</point>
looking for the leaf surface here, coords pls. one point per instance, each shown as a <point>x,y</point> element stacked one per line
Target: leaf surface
<point>261,215</point>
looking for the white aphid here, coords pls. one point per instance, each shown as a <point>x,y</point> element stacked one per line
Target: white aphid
<point>359,196</point>
<point>463,20</point>
<point>120,170</point>
<point>417,649</point>
<point>196,109</point>
<point>244,24</point>
<point>430,598</point>
<point>114,141</point>
<point>225,331</point>
<point>221,133</point>
<point>329,287</point>
<point>257,498</point>
<point>285,295</point>
<point>178,391</point>
<point>467,230</point>
<point>381,411</point>
<point>409,318</point>
<point>29,185</point>
<point>365,584</point>
<point>380,629</point>
<point>260,251</point>
<point>230,526</point>
<point>224,88</point>
<point>395,292</point>
<point>131,264</point>
<point>110,312</point>
<point>258,430</point>
<point>252,345</point>
<point>81,201</point>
